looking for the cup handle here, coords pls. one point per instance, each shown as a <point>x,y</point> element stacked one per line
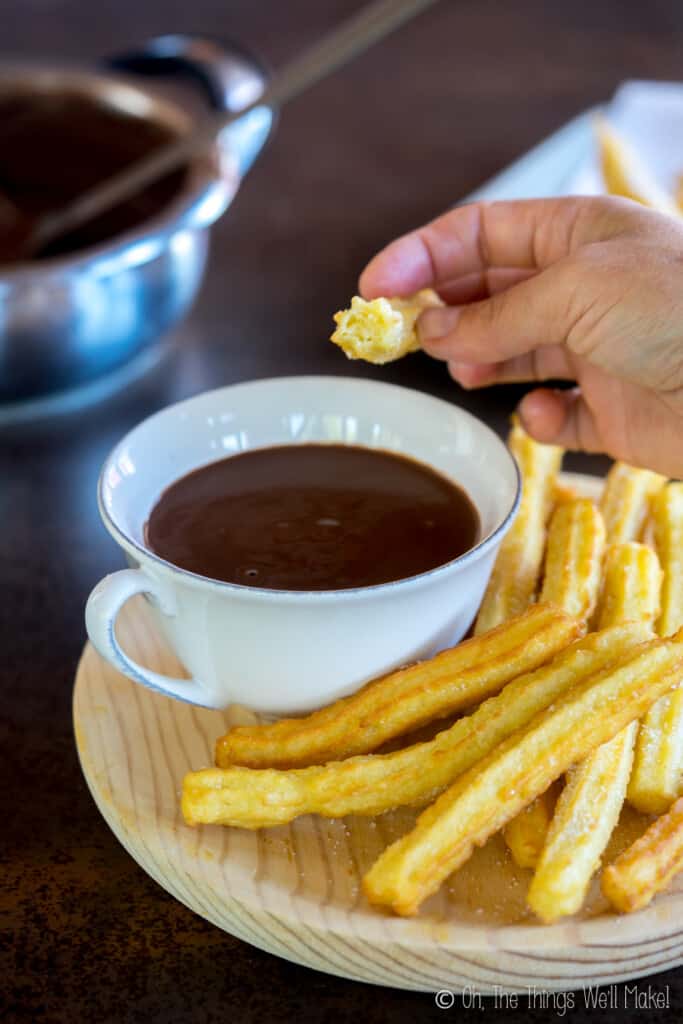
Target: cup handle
<point>101,611</point>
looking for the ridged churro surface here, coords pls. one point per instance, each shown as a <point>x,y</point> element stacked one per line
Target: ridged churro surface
<point>494,790</point>
<point>573,561</point>
<point>648,865</point>
<point>517,570</point>
<point>657,771</point>
<point>372,784</point>
<point>404,700</point>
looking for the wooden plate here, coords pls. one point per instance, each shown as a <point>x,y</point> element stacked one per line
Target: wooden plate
<point>294,890</point>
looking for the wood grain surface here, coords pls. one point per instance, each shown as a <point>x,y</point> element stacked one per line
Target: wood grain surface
<point>295,890</point>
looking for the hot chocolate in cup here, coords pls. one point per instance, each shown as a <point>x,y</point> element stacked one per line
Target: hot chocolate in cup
<point>280,651</point>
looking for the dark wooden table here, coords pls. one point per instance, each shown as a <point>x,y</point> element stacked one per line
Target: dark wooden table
<point>382,146</point>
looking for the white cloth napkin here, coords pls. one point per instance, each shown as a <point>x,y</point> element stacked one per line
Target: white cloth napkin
<point>649,116</point>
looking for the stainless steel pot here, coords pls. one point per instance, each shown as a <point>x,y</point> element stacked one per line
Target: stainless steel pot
<point>67,320</point>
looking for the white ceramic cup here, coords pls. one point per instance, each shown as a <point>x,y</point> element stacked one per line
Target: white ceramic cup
<point>282,652</point>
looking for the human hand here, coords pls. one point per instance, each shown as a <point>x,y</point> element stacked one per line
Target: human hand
<point>588,289</point>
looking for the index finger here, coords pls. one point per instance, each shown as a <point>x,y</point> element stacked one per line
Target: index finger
<point>520,234</point>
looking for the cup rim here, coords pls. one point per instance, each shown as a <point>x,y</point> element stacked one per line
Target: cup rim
<point>131,545</point>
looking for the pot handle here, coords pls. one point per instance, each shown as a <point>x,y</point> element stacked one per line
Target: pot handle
<point>229,76</point>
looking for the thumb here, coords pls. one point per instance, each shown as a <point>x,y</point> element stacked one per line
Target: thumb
<point>535,312</point>
<point>560,417</point>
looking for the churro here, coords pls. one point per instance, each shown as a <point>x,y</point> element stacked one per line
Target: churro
<point>486,797</point>
<point>624,174</point>
<point>631,588</point>
<point>526,834</point>
<point>573,561</point>
<point>563,492</point>
<point>381,330</point>
<point>573,564</point>
<point>516,572</point>
<point>626,499</point>
<point>589,807</point>
<point>404,700</point>
<point>584,820</point>
<point>656,777</point>
<point>254,798</point>
<point>667,516</point>
<point>648,865</point>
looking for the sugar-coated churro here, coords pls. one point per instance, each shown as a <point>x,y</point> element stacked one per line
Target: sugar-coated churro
<point>656,776</point>
<point>573,561</point>
<point>404,700</point>
<point>372,784</point>
<point>656,779</point>
<point>648,865</point>
<point>515,575</point>
<point>626,500</point>
<point>589,807</point>
<point>381,330</point>
<point>584,820</point>
<point>572,576</point>
<point>631,587</point>
<point>486,797</point>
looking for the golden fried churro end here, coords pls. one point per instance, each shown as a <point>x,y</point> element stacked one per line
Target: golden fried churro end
<point>667,517</point>
<point>626,500</point>
<point>563,492</point>
<point>381,330</point>
<point>517,569</point>
<point>525,834</point>
<point>632,578</point>
<point>656,776</point>
<point>648,865</point>
<point>573,561</point>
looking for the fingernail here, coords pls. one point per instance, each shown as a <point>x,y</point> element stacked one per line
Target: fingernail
<point>434,324</point>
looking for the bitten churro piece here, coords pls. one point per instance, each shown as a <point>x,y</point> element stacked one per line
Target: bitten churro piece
<point>573,561</point>
<point>381,330</point>
<point>589,807</point>
<point>372,784</point>
<point>406,699</point>
<point>526,834</point>
<point>624,173</point>
<point>656,779</point>
<point>516,572</point>
<point>486,797</point>
<point>626,499</point>
<point>648,865</point>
